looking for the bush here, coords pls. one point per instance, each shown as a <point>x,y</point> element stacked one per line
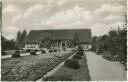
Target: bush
<point>16,54</point>
<point>76,56</point>
<point>50,50</point>
<point>55,50</point>
<point>43,51</point>
<point>110,58</point>
<point>71,63</point>
<point>28,50</point>
<point>3,53</point>
<point>33,53</point>
<point>17,51</point>
<point>57,78</point>
<point>80,53</point>
<point>36,50</point>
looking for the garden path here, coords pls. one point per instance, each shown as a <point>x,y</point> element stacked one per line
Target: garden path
<point>102,70</point>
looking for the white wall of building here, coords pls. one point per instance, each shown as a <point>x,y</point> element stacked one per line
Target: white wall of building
<point>31,46</point>
<point>86,46</point>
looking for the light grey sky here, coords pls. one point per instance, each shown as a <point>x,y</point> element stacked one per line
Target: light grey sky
<point>99,15</point>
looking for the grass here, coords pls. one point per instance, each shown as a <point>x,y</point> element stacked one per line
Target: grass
<point>30,68</point>
<point>81,74</point>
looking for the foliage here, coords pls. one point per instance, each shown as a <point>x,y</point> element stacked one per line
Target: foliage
<point>28,50</point>
<point>8,44</point>
<point>57,78</point>
<point>0,15</point>
<point>46,42</point>
<point>33,53</point>
<point>107,56</point>
<point>43,51</point>
<point>21,36</point>
<point>16,54</point>
<point>30,68</point>
<point>18,39</point>
<point>76,56</point>
<point>80,51</point>
<point>55,50</point>
<point>115,42</point>
<point>50,50</point>
<point>81,74</point>
<point>36,50</point>
<point>72,63</point>
<point>76,39</point>
<point>3,53</point>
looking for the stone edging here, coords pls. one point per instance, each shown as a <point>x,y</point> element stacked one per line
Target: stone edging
<point>54,69</point>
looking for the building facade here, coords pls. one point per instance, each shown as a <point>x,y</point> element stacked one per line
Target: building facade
<point>64,39</point>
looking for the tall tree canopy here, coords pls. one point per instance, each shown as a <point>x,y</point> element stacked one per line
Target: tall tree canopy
<point>21,37</point>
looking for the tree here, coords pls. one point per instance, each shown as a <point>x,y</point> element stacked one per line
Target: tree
<point>8,44</point>
<point>76,39</point>
<point>23,35</point>
<point>21,38</point>
<point>18,39</point>
<point>3,43</point>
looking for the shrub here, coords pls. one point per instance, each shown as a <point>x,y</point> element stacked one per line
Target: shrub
<point>57,78</point>
<point>3,53</point>
<point>80,53</point>
<point>16,54</point>
<point>50,50</point>
<point>36,50</point>
<point>55,50</point>
<point>77,56</point>
<point>28,50</point>
<point>43,51</point>
<point>71,63</point>
<point>17,51</point>
<point>33,53</point>
<point>110,58</point>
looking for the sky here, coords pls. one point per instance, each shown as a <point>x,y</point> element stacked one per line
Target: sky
<point>98,15</point>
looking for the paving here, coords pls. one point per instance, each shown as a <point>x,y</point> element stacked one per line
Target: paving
<point>101,69</point>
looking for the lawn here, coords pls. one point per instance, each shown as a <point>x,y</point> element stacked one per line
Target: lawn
<point>31,68</point>
<point>81,74</point>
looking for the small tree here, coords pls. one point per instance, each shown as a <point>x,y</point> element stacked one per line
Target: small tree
<point>23,37</point>
<point>76,39</point>
<point>18,39</point>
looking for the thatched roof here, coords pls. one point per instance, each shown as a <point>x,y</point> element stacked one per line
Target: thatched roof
<point>84,35</point>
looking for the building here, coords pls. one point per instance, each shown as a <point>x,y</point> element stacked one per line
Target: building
<point>59,39</point>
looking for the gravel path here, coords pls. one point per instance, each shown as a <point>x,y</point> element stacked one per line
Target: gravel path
<point>101,69</point>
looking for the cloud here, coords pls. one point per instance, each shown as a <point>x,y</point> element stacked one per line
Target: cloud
<point>11,8</point>
<point>107,9</point>
<point>57,15</point>
<point>10,29</point>
<point>68,18</point>
<point>61,2</point>
<point>101,19</point>
<point>11,36</point>
<point>32,16</point>
<point>14,19</point>
<point>34,10</point>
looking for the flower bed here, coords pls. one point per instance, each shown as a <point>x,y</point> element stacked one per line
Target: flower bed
<point>30,68</point>
<point>81,74</point>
